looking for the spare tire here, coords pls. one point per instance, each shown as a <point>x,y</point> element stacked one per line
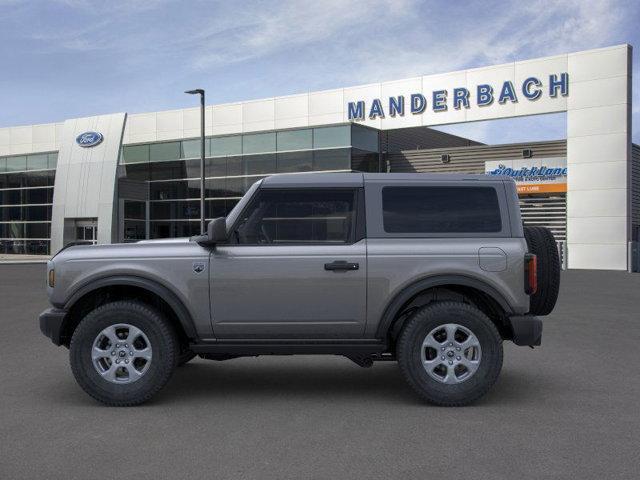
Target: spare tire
<point>542,244</point>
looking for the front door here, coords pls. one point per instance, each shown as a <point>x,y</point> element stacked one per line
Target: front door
<point>294,268</point>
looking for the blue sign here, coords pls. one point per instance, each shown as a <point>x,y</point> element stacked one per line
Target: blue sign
<point>89,139</point>
<point>482,95</point>
<point>524,174</point>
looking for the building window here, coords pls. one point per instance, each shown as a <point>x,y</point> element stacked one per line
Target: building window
<point>364,138</point>
<point>223,146</point>
<point>331,137</point>
<point>339,159</point>
<point>26,196</point>
<point>135,153</point>
<point>162,152</point>
<point>259,143</point>
<point>295,140</point>
<point>295,162</point>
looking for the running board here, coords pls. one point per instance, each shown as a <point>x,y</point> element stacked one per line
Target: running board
<point>290,347</point>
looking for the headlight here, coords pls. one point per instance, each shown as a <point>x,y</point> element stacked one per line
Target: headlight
<point>52,278</point>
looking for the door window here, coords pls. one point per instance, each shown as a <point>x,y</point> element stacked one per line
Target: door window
<point>298,216</point>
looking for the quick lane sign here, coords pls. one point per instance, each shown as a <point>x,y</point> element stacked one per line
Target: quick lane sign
<point>482,95</point>
<point>544,175</point>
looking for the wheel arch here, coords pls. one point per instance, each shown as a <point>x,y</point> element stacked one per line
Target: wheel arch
<point>484,296</point>
<point>103,290</point>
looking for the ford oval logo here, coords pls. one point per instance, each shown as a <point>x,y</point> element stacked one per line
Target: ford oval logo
<point>89,139</point>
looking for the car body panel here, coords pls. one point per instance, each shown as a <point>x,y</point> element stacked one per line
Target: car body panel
<point>284,292</point>
<point>170,264</point>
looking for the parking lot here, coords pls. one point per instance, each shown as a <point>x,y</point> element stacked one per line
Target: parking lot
<point>569,409</point>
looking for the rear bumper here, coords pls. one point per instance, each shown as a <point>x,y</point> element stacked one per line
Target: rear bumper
<point>527,330</point>
<point>51,321</point>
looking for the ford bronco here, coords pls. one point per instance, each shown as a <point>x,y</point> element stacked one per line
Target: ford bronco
<point>431,271</point>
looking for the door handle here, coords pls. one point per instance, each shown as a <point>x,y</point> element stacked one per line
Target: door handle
<point>339,265</point>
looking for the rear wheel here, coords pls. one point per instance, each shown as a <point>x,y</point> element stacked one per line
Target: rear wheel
<point>123,353</point>
<point>541,242</point>
<point>450,353</point>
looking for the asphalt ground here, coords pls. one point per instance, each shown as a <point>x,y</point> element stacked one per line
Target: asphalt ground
<point>569,409</point>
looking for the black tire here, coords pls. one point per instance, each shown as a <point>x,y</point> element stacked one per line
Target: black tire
<point>409,353</point>
<point>541,242</point>
<point>164,347</point>
<point>184,357</point>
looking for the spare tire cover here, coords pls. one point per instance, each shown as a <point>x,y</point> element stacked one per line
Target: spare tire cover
<point>541,242</point>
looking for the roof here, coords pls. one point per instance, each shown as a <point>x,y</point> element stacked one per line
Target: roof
<point>355,179</point>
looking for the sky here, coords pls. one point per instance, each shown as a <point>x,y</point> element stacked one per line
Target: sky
<point>72,58</point>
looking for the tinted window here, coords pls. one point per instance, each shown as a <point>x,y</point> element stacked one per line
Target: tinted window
<point>295,140</point>
<point>297,216</point>
<point>327,137</point>
<point>161,152</point>
<point>440,210</point>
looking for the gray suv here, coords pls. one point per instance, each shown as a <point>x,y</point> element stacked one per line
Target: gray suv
<point>431,271</point>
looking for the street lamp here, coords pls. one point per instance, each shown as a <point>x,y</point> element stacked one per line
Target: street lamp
<point>200,91</point>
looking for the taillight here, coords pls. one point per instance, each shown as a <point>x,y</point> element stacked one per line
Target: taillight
<point>530,273</point>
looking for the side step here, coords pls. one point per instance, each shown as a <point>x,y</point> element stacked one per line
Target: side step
<point>291,347</point>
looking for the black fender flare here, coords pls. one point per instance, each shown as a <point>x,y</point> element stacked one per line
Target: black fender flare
<point>184,317</point>
<point>413,289</point>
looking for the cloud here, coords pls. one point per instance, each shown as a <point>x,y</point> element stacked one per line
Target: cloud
<point>261,48</point>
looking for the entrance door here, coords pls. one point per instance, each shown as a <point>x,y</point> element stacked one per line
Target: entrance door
<point>295,268</point>
<point>86,232</point>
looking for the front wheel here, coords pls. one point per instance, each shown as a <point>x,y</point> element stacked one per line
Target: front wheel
<point>123,353</point>
<point>450,353</point>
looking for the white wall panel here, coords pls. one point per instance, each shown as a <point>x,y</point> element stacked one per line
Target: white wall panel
<point>326,102</point>
<point>142,124</point>
<point>597,203</point>
<point>597,120</point>
<point>599,63</point>
<point>597,230</point>
<point>170,121</point>
<point>227,119</point>
<point>598,93</point>
<point>292,111</point>
<point>5,137</point>
<point>21,135</point>
<point>258,115</point>
<point>597,176</point>
<point>44,133</point>
<point>607,147</point>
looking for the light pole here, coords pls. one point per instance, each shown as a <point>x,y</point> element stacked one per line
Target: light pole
<point>200,91</point>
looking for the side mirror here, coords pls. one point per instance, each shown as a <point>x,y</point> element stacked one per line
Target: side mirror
<point>217,230</point>
<point>216,233</point>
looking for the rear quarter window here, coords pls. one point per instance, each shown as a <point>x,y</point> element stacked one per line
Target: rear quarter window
<point>441,209</point>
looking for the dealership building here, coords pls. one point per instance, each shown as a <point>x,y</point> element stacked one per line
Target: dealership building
<point>124,177</point>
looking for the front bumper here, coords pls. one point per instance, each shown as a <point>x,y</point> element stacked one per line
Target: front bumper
<point>51,321</point>
<point>527,330</point>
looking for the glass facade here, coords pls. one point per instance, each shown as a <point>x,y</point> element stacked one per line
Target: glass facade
<point>167,174</point>
<point>26,196</point>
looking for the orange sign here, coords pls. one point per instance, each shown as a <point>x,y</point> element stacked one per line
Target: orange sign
<point>542,187</point>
